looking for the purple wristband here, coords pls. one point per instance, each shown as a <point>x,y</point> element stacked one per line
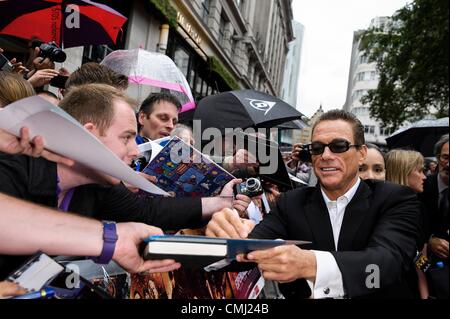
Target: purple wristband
<point>109,243</point>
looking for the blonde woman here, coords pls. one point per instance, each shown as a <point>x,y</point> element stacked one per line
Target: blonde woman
<point>406,168</point>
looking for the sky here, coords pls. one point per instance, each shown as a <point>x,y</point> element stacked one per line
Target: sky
<point>327,46</point>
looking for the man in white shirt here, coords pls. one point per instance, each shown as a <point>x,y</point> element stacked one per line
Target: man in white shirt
<point>363,234</point>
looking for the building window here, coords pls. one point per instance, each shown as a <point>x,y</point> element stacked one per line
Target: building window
<point>366,76</point>
<point>96,53</point>
<point>363,59</point>
<point>385,131</point>
<point>234,45</point>
<point>198,87</point>
<point>369,129</point>
<point>360,77</point>
<point>181,59</point>
<point>191,79</point>
<point>206,5</point>
<point>223,25</point>
<point>359,111</point>
<point>358,95</point>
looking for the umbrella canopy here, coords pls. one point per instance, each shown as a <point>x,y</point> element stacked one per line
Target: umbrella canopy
<point>150,72</point>
<point>293,125</point>
<point>420,136</point>
<point>57,20</point>
<point>243,109</point>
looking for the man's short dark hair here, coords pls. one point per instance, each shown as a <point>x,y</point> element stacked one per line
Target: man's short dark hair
<point>438,147</point>
<point>154,98</point>
<point>92,72</point>
<point>358,128</point>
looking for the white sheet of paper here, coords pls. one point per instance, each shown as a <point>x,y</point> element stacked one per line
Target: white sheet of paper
<point>64,135</point>
<point>38,273</point>
<point>150,146</point>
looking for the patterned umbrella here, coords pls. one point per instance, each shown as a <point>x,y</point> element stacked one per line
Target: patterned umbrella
<point>67,22</point>
<point>243,109</point>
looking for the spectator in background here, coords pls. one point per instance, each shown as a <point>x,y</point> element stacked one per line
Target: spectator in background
<point>17,67</point>
<point>13,88</point>
<point>35,62</point>
<point>406,168</point>
<point>42,77</point>
<point>185,133</point>
<point>91,72</point>
<point>300,165</point>
<point>430,167</point>
<point>374,166</point>
<point>49,96</point>
<point>435,199</point>
<point>157,117</point>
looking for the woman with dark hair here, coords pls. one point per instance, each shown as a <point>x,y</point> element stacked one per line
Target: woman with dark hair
<point>374,167</point>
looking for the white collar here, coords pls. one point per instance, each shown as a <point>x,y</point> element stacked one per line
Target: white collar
<point>348,196</point>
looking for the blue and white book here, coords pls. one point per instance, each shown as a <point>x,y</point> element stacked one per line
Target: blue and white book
<point>204,251</point>
<point>182,171</point>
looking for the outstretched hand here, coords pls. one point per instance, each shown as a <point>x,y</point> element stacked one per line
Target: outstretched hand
<point>12,144</point>
<point>126,254</point>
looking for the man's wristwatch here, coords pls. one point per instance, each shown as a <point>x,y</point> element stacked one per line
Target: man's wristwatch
<point>109,243</point>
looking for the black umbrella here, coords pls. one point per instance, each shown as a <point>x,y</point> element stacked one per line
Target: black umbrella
<point>243,109</point>
<point>420,136</point>
<point>293,125</point>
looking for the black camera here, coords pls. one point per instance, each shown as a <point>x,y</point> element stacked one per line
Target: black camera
<point>251,187</point>
<point>305,155</point>
<point>52,51</point>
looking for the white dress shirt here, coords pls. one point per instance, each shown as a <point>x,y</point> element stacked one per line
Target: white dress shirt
<point>329,282</point>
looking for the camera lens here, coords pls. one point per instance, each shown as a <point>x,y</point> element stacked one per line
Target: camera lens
<point>53,52</point>
<point>58,55</point>
<point>253,184</point>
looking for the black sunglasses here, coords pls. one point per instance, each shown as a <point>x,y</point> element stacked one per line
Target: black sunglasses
<point>336,146</point>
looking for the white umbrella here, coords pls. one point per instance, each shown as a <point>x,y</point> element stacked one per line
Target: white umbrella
<point>150,72</point>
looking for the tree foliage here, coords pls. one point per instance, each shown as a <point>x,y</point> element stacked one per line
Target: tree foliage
<point>412,62</point>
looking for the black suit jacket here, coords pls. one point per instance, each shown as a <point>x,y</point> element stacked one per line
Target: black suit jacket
<point>436,222</point>
<point>380,227</point>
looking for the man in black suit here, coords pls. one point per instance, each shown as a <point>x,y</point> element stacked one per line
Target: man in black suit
<point>435,199</point>
<point>363,234</point>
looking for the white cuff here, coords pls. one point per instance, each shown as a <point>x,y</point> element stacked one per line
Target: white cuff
<point>328,282</point>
